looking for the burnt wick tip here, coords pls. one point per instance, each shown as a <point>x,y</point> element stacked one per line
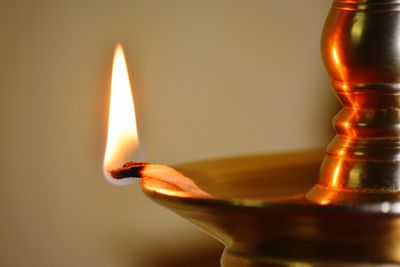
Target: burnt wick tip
<point>128,170</point>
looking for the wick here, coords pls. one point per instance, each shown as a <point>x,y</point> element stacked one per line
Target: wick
<point>128,170</point>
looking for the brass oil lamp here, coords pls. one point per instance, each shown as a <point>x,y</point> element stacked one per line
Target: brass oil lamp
<point>269,210</point>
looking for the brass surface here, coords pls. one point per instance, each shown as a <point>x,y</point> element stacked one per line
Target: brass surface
<point>361,51</point>
<point>259,212</point>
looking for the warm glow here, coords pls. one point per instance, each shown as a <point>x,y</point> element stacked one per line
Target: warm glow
<point>336,173</point>
<point>339,165</point>
<point>336,58</point>
<point>122,138</point>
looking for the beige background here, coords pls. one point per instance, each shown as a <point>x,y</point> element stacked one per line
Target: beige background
<point>212,78</point>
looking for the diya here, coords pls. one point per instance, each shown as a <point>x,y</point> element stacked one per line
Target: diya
<point>276,210</point>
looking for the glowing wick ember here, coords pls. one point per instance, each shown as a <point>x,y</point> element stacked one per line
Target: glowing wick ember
<point>161,174</point>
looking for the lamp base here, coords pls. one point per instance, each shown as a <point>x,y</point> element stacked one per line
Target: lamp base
<point>259,212</point>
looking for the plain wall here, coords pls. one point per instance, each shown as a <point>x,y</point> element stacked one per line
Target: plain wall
<point>211,79</point>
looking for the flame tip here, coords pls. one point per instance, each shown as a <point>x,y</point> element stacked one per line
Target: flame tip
<point>119,47</point>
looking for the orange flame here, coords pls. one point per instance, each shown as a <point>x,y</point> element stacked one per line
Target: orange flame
<point>122,138</point>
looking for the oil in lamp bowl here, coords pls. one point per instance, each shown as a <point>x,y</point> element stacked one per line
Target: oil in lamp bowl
<point>262,207</point>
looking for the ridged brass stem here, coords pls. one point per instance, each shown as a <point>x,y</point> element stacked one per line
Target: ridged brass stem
<point>361,52</point>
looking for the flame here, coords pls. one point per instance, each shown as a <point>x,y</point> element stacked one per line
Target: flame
<point>122,138</point>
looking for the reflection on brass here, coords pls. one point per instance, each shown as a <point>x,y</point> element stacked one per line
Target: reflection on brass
<point>361,51</point>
